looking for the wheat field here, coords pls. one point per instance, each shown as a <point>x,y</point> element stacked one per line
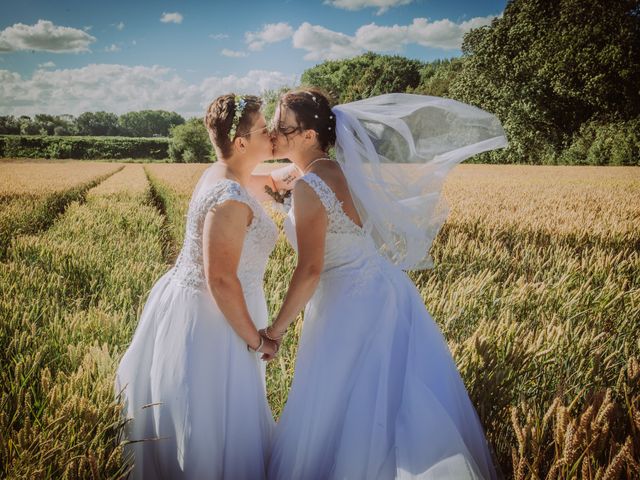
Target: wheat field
<point>536,287</point>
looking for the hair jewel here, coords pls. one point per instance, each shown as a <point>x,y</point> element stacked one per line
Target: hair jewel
<point>313,97</point>
<point>240,103</point>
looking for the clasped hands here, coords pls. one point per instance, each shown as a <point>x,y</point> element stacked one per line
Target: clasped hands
<point>272,342</point>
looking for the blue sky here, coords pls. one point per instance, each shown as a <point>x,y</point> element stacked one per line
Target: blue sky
<point>75,56</point>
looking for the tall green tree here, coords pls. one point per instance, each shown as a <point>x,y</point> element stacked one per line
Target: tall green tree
<point>28,126</point>
<point>190,142</point>
<point>9,125</point>
<point>548,66</point>
<point>436,77</point>
<point>364,76</point>
<point>97,123</point>
<point>149,123</point>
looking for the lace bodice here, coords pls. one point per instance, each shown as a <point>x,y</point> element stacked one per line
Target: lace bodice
<point>258,243</point>
<point>347,246</point>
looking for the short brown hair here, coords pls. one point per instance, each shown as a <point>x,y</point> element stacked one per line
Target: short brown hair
<point>219,118</point>
<point>312,109</point>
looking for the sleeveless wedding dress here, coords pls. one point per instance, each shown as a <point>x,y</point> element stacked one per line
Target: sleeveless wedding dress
<point>376,393</point>
<point>194,394</point>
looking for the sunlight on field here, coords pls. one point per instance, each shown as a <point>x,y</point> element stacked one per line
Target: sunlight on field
<point>590,200</point>
<point>181,178</point>
<point>46,177</point>
<point>536,287</point>
<point>130,180</point>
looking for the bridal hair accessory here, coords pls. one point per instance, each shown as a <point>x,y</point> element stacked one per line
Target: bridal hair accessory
<point>315,100</point>
<point>313,97</point>
<point>240,103</point>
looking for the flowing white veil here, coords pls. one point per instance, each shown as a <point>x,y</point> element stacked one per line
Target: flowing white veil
<point>395,151</point>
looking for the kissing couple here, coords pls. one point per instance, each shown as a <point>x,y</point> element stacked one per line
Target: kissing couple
<point>376,393</point>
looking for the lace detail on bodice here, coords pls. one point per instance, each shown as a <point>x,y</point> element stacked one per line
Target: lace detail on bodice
<point>339,221</point>
<point>349,249</point>
<point>258,243</point>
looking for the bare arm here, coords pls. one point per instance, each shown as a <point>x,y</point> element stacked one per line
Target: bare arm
<point>282,178</point>
<point>311,228</point>
<point>224,231</point>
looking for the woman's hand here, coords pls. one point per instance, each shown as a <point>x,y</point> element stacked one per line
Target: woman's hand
<point>269,348</point>
<point>269,334</point>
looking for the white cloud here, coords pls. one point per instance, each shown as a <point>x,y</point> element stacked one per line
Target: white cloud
<point>218,36</point>
<point>112,48</point>
<point>444,33</point>
<point>233,53</point>
<point>46,65</point>
<point>381,39</point>
<point>381,5</point>
<point>270,33</point>
<point>44,36</point>
<point>254,82</point>
<point>173,17</point>
<point>87,28</point>
<point>324,44</point>
<point>119,26</point>
<point>479,22</point>
<point>121,88</point>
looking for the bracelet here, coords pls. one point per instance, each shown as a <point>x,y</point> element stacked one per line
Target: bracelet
<point>266,334</point>
<point>251,349</point>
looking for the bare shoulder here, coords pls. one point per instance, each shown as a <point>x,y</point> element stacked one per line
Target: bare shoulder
<point>231,206</point>
<point>331,173</point>
<point>304,195</point>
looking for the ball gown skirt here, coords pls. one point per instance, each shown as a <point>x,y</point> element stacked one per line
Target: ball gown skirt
<point>376,393</point>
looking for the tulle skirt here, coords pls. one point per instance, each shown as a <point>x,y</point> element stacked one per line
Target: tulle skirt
<point>376,393</point>
<point>195,395</point>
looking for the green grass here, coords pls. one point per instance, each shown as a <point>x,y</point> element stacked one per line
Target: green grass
<point>71,297</point>
<point>28,214</point>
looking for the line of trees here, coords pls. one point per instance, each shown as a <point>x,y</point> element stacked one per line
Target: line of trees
<point>563,77</point>
<point>83,148</point>
<point>145,123</point>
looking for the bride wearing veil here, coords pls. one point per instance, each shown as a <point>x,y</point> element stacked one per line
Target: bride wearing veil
<point>376,393</point>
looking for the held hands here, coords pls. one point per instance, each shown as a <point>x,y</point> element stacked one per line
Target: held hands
<point>267,347</point>
<point>270,337</point>
<point>269,350</point>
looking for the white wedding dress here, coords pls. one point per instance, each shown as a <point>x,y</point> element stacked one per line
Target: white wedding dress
<point>195,395</point>
<point>376,393</point>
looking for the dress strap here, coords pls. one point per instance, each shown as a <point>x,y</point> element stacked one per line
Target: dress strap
<point>317,160</point>
<point>324,192</point>
<point>226,189</point>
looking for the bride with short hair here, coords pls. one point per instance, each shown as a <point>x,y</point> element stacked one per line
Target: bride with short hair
<point>192,383</point>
